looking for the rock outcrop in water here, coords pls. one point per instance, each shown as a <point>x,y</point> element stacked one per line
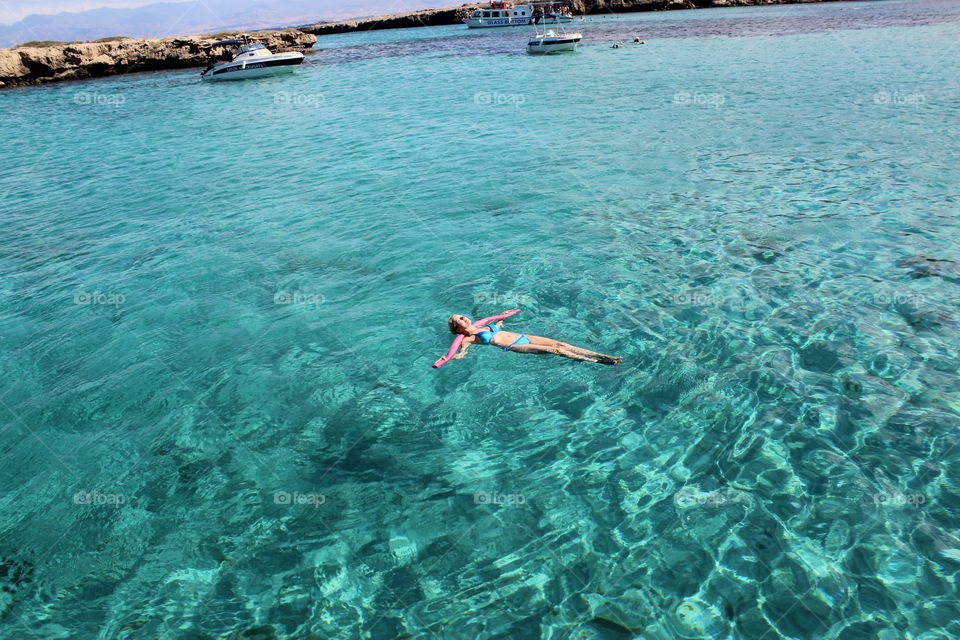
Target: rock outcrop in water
<point>436,17</point>
<point>76,60</point>
<point>425,18</point>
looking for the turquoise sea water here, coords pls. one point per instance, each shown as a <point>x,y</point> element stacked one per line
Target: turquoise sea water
<point>219,305</point>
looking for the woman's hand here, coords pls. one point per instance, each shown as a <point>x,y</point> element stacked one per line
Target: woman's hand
<point>464,345</point>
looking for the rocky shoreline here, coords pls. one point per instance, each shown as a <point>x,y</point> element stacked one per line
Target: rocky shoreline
<point>27,65</point>
<point>437,17</point>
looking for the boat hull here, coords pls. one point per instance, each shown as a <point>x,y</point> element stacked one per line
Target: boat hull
<point>486,23</point>
<point>254,68</point>
<point>552,45</point>
<point>554,19</point>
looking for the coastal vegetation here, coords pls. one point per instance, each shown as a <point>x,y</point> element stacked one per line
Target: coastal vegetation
<point>39,44</point>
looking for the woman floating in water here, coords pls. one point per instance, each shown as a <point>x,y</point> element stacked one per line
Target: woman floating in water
<point>484,333</point>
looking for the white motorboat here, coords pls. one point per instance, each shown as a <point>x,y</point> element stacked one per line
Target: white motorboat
<point>551,17</point>
<point>506,14</point>
<point>250,60</point>
<point>553,42</point>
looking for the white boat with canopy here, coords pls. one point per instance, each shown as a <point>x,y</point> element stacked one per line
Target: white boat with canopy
<point>550,41</point>
<point>250,60</point>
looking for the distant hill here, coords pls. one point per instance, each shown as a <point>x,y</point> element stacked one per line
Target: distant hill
<point>193,16</point>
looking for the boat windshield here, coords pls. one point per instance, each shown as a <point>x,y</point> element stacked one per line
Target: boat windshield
<point>253,46</point>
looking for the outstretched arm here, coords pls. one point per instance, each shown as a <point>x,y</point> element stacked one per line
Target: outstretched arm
<point>505,314</point>
<point>452,350</point>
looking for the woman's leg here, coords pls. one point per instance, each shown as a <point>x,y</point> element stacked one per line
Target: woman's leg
<point>566,353</point>
<point>550,342</point>
<point>587,352</point>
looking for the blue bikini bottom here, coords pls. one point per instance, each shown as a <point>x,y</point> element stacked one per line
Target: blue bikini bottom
<point>521,340</point>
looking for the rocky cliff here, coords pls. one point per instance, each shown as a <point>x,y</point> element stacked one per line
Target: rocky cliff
<point>434,17</point>
<point>425,18</point>
<point>72,61</point>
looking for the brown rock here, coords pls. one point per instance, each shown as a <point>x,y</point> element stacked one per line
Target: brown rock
<point>11,66</point>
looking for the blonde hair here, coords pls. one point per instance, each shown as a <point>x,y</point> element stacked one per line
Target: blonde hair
<point>453,326</point>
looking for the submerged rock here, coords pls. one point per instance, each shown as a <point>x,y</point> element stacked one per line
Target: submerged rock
<point>15,574</point>
<point>694,618</point>
<point>925,267</point>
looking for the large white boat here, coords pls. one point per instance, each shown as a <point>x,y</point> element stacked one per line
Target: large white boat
<point>250,60</point>
<point>505,14</point>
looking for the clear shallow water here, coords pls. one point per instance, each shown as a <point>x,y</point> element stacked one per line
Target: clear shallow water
<point>218,300</point>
